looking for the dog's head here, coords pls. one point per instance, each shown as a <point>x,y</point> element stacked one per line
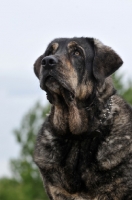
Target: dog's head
<point>70,68</point>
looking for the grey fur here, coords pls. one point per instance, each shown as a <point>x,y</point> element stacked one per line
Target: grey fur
<point>84,148</point>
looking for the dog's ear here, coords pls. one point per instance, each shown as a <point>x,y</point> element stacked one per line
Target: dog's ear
<point>106,61</point>
<point>37,65</point>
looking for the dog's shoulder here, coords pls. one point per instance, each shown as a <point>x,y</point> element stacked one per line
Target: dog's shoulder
<point>117,147</point>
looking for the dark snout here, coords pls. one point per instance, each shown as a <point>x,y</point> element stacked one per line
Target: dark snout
<point>48,73</point>
<point>49,62</point>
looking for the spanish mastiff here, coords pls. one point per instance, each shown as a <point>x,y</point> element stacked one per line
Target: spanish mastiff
<point>84,148</point>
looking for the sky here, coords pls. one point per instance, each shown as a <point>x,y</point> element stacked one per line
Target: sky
<point>27,26</point>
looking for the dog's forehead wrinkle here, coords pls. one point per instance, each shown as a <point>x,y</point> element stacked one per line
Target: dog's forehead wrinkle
<point>64,43</point>
<point>72,43</point>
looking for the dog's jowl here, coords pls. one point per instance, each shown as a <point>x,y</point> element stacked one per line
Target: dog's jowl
<point>84,148</point>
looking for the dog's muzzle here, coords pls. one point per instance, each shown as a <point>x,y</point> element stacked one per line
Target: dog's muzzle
<point>49,64</point>
<point>51,81</point>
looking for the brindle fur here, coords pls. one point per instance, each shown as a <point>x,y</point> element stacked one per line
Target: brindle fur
<point>79,157</point>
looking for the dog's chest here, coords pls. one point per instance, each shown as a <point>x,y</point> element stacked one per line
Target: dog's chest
<point>70,163</point>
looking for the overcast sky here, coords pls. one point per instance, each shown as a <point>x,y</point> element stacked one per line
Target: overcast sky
<point>27,26</point>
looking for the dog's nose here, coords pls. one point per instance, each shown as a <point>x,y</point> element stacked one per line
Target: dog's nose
<point>49,61</point>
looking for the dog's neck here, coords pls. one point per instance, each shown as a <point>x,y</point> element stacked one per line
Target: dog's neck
<point>81,116</point>
<point>80,120</point>
<point>103,111</point>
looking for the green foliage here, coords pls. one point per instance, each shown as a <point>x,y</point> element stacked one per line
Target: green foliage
<point>26,183</point>
<point>27,180</point>
<point>26,135</point>
<point>125,90</point>
<point>10,189</point>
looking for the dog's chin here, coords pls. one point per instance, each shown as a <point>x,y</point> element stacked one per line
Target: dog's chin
<point>54,88</point>
<point>53,85</point>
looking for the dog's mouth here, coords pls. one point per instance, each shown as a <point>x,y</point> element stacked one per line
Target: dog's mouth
<point>53,86</point>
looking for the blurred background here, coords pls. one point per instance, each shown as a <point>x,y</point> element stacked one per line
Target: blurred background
<point>26,29</point>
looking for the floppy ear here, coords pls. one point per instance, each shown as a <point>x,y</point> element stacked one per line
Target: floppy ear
<point>37,65</point>
<point>106,61</point>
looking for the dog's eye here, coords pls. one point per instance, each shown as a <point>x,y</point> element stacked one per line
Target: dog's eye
<point>77,53</point>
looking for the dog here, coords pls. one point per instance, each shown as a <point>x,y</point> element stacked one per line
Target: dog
<point>84,148</point>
